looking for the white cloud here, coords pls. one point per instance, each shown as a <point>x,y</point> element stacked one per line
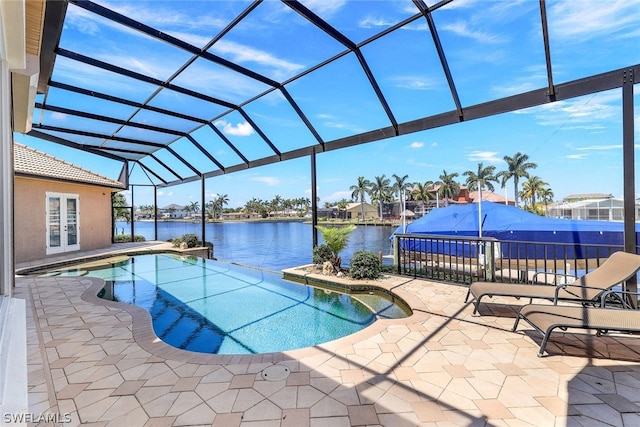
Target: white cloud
<point>82,20</point>
<point>338,195</point>
<point>581,156</point>
<point>324,8</point>
<point>373,22</point>
<point>151,67</point>
<point>198,40</point>
<point>239,53</point>
<point>166,18</point>
<point>269,180</point>
<point>60,117</point>
<point>484,156</point>
<point>333,122</point>
<point>580,20</point>
<point>462,4</point>
<point>601,147</point>
<point>416,144</point>
<point>464,29</point>
<point>578,113</point>
<point>532,78</point>
<point>413,82</point>
<point>220,82</point>
<point>241,129</point>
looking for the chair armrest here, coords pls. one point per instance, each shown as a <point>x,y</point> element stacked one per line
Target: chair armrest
<point>619,294</point>
<point>534,279</point>
<point>565,286</point>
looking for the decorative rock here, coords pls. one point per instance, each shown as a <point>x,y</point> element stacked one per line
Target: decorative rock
<point>184,245</point>
<point>327,268</point>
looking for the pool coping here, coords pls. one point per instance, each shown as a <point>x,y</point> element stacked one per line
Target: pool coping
<point>146,338</point>
<point>32,269</point>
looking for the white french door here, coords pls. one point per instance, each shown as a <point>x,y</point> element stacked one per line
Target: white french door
<point>63,222</point>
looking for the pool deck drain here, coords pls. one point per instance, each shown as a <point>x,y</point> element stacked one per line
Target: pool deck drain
<point>275,373</point>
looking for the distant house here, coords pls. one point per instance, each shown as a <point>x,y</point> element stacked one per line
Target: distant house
<point>489,196</point>
<point>354,211</point>
<point>172,211</point>
<point>237,216</point>
<point>59,207</point>
<point>603,209</point>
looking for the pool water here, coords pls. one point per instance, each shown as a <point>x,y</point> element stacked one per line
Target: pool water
<point>214,307</point>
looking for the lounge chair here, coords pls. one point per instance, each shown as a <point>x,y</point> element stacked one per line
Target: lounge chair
<point>587,289</point>
<point>546,318</point>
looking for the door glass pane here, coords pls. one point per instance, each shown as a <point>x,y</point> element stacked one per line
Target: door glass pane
<point>54,222</point>
<point>72,222</point>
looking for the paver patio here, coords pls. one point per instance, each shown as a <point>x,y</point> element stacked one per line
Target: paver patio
<point>100,363</point>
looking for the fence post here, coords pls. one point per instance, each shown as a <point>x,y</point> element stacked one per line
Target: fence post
<point>489,259</point>
<point>396,252</point>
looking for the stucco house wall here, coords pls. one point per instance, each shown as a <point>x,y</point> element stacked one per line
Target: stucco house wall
<point>370,211</point>
<point>35,175</point>
<point>30,216</point>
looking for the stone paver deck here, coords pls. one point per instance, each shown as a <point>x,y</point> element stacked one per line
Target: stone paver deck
<point>98,363</point>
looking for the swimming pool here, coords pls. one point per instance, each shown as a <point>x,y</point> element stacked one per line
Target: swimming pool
<point>214,307</point>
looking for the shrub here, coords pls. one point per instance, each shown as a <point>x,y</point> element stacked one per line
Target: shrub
<point>126,238</point>
<point>191,240</point>
<point>365,265</point>
<point>321,253</point>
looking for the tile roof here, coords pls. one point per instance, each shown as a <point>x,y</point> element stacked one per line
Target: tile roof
<point>31,162</point>
<point>488,196</point>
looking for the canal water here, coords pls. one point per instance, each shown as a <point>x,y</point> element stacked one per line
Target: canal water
<point>270,245</point>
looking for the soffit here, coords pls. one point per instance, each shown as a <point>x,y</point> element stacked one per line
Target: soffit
<point>34,19</point>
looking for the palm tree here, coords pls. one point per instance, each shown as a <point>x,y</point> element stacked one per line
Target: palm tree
<point>120,210</point>
<point>287,205</point>
<point>218,204</point>
<point>359,191</point>
<point>481,179</point>
<point>477,181</point>
<point>210,208</point>
<point>399,187</point>
<point>422,192</point>
<point>532,188</point>
<point>379,191</point>
<point>516,168</point>
<point>275,203</point>
<point>194,207</point>
<point>547,196</point>
<point>342,206</point>
<point>448,186</point>
<point>336,238</point>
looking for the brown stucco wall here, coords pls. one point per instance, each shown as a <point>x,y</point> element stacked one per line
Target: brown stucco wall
<point>30,216</point>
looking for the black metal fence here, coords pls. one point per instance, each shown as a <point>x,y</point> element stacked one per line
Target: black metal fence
<point>467,259</point>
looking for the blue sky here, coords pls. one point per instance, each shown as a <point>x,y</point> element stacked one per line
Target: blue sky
<point>494,49</point>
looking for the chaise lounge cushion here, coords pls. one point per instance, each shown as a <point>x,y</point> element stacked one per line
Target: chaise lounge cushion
<point>619,267</point>
<point>546,318</point>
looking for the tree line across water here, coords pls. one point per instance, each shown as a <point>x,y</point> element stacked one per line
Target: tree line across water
<point>385,190</point>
